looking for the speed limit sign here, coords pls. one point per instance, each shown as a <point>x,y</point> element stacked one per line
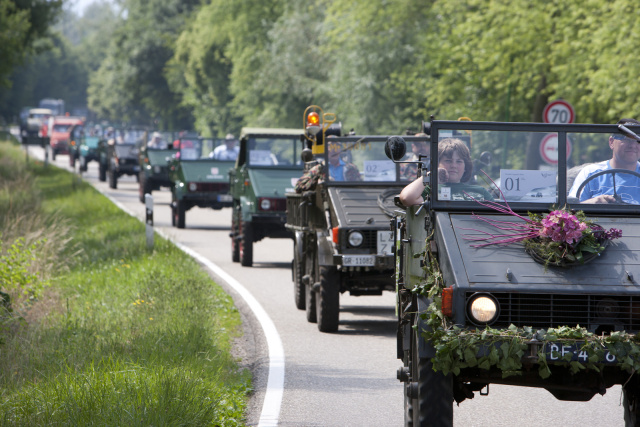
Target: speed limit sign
<point>558,111</point>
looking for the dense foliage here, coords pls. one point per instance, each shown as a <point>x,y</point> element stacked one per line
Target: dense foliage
<point>381,65</point>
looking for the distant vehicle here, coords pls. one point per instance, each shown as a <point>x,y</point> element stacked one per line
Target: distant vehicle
<point>60,133</point>
<point>55,105</point>
<point>35,129</point>
<point>154,164</point>
<point>84,146</point>
<point>268,165</point>
<point>197,179</point>
<point>122,154</point>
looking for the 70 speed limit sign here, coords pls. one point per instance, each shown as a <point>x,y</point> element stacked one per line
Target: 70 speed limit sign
<point>558,111</point>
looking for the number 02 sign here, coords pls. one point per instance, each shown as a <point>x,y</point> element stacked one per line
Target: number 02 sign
<point>558,111</point>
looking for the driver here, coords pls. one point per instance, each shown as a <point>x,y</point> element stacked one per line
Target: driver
<point>626,152</point>
<point>455,168</point>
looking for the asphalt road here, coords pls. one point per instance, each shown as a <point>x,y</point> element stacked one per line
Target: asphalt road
<point>346,378</point>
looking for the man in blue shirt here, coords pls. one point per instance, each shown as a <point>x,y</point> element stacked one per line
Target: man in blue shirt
<point>626,152</point>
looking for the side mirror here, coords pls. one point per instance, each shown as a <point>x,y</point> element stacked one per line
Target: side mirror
<point>306,155</point>
<point>395,148</point>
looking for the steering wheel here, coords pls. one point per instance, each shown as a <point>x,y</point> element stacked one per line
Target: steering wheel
<point>605,172</point>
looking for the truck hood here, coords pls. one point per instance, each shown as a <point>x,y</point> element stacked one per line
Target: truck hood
<point>363,206</point>
<point>206,170</point>
<point>273,182</point>
<point>618,266</point>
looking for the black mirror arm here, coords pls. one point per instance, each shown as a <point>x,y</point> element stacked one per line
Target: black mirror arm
<point>628,132</point>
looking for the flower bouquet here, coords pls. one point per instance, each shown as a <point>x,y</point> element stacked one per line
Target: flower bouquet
<point>560,238</point>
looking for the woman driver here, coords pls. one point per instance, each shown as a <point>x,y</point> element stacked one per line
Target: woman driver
<point>454,168</point>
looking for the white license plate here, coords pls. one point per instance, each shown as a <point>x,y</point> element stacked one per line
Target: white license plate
<point>385,242</point>
<point>225,198</point>
<point>358,260</point>
<point>556,352</point>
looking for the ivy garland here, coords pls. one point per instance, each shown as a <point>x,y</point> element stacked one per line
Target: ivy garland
<point>458,348</point>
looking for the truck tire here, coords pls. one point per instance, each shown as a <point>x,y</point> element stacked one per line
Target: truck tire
<point>72,160</point>
<point>246,244</point>
<point>328,300</point>
<point>431,392</point>
<point>235,246</point>
<point>297,267</point>
<point>179,213</point>
<point>83,164</point>
<point>631,405</point>
<point>113,178</point>
<point>309,293</point>
<point>102,172</point>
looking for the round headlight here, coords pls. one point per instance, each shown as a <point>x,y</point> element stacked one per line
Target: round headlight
<point>483,309</point>
<point>193,186</point>
<point>265,204</point>
<point>355,238</point>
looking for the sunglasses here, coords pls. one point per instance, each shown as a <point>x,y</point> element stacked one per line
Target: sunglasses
<point>623,138</point>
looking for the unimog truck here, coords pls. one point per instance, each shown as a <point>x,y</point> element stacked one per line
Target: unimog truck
<point>507,278</point>
<point>342,239</point>
<point>198,179</point>
<point>268,165</point>
<point>154,165</point>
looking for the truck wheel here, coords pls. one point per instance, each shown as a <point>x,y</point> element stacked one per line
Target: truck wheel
<point>298,271</point>
<point>179,214</point>
<point>72,161</point>
<point>83,164</point>
<point>432,392</point>
<point>328,300</point>
<point>246,244</point>
<point>631,407</point>
<point>102,172</point>
<point>235,246</point>
<point>113,179</point>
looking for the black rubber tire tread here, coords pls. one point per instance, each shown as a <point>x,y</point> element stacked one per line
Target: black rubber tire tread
<point>631,404</point>
<point>408,402</point>
<point>433,405</point>
<point>144,187</point>
<point>113,179</point>
<point>102,173</point>
<point>328,300</point>
<point>179,214</point>
<point>246,245</point>
<point>310,294</point>
<point>235,246</point>
<point>299,288</point>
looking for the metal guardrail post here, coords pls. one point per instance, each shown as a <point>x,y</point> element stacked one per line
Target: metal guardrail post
<point>148,203</point>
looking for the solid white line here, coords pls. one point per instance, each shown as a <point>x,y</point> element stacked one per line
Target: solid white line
<point>275,383</point>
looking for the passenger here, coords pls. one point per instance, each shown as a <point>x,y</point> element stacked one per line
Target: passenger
<point>156,142</point>
<point>454,169</point>
<point>410,170</point>
<point>227,151</point>
<point>625,155</point>
<point>340,167</point>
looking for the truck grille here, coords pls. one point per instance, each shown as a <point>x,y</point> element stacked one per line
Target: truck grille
<point>553,310</point>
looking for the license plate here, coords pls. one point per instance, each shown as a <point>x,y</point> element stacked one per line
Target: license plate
<point>225,198</point>
<point>556,352</point>
<point>385,242</point>
<point>358,260</point>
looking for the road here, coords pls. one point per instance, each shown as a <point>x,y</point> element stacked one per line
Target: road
<point>346,378</point>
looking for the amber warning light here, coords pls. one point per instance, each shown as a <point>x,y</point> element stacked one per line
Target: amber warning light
<point>313,122</point>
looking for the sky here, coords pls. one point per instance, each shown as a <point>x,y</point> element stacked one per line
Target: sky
<point>78,6</point>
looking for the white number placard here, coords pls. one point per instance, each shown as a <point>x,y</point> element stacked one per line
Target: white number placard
<point>528,185</point>
<point>379,170</point>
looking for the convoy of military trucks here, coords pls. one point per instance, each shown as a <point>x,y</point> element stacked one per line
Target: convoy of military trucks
<point>503,274</point>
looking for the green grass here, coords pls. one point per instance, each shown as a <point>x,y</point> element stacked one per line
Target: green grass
<point>124,335</point>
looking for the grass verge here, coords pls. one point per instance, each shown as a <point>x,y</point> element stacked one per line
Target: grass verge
<point>123,335</point>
